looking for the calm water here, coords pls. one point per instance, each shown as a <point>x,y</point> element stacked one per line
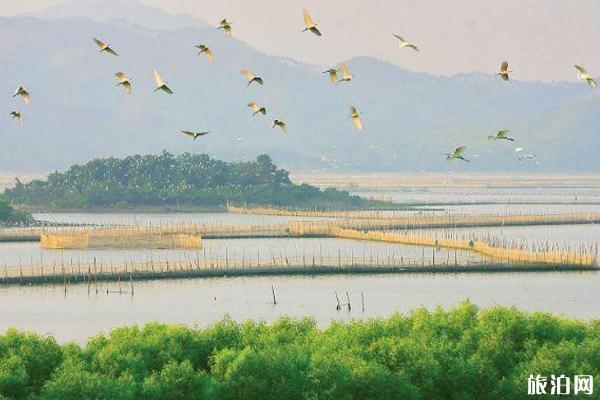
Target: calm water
<point>79,313</point>
<point>252,250</point>
<point>436,195</point>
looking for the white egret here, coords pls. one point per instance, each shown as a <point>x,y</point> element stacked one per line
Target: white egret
<point>310,24</point>
<point>124,81</point>
<point>16,115</point>
<point>251,77</point>
<point>105,47</point>
<point>585,76</point>
<point>24,93</point>
<point>279,123</point>
<point>160,83</point>
<point>501,135</point>
<point>195,134</point>
<point>403,43</point>
<point>225,26</point>
<point>257,109</point>
<point>355,116</point>
<point>332,75</point>
<point>529,157</point>
<point>204,49</point>
<point>458,154</point>
<point>346,75</point>
<point>504,72</point>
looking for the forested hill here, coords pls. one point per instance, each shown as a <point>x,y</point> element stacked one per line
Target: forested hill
<point>187,180</point>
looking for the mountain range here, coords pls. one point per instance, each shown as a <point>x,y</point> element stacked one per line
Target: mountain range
<point>411,119</point>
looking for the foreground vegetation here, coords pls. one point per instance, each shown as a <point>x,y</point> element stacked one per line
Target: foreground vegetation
<point>464,353</point>
<point>10,216</point>
<point>187,180</point>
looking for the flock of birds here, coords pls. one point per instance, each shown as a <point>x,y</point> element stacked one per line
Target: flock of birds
<point>336,75</point>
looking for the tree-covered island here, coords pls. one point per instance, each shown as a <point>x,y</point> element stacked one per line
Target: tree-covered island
<point>184,181</point>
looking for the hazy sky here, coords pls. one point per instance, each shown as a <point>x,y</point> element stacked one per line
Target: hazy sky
<point>542,39</point>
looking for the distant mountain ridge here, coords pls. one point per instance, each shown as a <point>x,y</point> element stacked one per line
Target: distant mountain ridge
<point>119,12</point>
<point>411,119</point>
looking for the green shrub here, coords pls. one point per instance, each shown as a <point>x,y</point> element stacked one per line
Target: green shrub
<point>462,353</point>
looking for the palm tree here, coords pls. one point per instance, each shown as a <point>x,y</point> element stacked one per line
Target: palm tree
<point>160,83</point>
<point>310,25</point>
<point>105,47</point>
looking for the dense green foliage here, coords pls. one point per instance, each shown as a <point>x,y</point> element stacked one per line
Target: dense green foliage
<point>464,353</point>
<point>10,216</point>
<point>166,180</point>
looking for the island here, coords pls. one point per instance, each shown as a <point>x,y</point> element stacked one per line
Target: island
<point>183,182</point>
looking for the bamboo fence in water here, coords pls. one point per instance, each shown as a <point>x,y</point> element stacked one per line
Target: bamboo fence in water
<point>441,221</point>
<point>93,273</point>
<point>508,255</point>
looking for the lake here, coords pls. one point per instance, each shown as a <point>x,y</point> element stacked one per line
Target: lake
<point>80,312</point>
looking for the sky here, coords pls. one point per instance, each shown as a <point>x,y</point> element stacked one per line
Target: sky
<point>541,39</point>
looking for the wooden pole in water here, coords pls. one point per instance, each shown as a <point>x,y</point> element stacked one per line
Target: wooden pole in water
<point>338,307</point>
<point>348,304</point>
<point>362,301</point>
<point>274,298</point>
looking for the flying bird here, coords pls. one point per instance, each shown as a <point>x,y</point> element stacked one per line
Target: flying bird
<point>124,81</point>
<point>458,154</point>
<point>251,77</point>
<point>346,75</point>
<point>310,25</point>
<point>501,135</point>
<point>204,49</point>
<point>279,123</point>
<point>105,47</point>
<point>16,115</point>
<point>332,75</point>
<point>257,109</point>
<point>403,43</point>
<point>504,72</point>
<point>355,116</point>
<point>225,26</point>
<point>528,157</point>
<point>195,134</point>
<point>160,83</point>
<point>585,76</point>
<point>24,93</point>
